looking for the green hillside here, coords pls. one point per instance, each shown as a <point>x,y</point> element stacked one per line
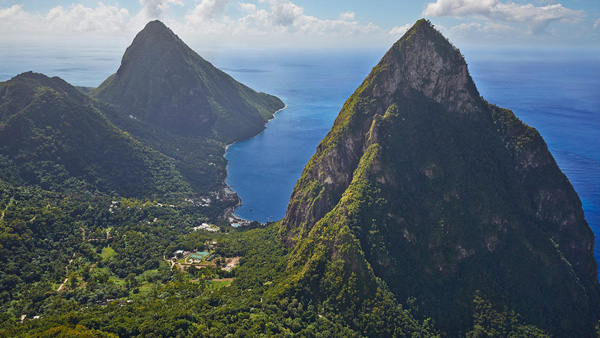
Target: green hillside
<point>164,82</point>
<point>424,185</point>
<point>425,211</point>
<point>54,137</point>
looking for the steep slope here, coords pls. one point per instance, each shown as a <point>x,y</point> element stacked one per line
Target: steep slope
<point>163,81</point>
<point>53,136</point>
<point>425,185</point>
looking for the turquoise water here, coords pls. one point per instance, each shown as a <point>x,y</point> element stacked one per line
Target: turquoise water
<point>555,91</point>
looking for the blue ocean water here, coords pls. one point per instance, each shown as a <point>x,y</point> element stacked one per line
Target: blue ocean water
<point>555,91</point>
<point>314,85</point>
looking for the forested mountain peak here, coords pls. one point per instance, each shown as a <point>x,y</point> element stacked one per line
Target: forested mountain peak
<point>40,80</point>
<point>423,184</point>
<point>54,136</point>
<point>22,87</point>
<point>164,82</point>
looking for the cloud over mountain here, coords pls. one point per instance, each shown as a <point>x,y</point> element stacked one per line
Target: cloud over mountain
<point>536,18</point>
<point>280,22</point>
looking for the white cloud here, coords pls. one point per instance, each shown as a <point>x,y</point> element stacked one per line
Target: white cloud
<point>277,18</point>
<point>14,15</point>
<point>77,18</point>
<point>459,7</point>
<point>283,22</point>
<point>489,30</point>
<point>273,18</point>
<point>487,27</point>
<point>536,18</point>
<point>399,30</point>
<point>597,23</point>
<point>208,9</point>
<point>154,9</point>
<point>347,16</point>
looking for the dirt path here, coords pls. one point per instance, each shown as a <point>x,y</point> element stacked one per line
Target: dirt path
<point>170,262</point>
<point>60,288</point>
<point>62,285</point>
<point>7,206</point>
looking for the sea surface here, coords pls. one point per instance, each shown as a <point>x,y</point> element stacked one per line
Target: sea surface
<point>557,91</point>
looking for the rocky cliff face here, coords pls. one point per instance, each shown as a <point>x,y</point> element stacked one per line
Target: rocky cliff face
<point>163,81</point>
<point>425,185</point>
<point>399,73</point>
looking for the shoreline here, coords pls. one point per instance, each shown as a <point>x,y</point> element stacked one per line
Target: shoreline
<point>265,127</point>
<point>230,212</point>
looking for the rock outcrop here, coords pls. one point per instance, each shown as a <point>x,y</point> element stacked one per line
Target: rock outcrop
<point>425,185</point>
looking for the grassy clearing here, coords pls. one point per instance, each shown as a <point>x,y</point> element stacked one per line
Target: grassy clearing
<point>217,284</point>
<point>107,253</point>
<point>118,281</point>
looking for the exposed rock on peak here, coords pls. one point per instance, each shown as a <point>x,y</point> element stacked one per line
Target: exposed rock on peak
<point>425,61</point>
<point>444,194</point>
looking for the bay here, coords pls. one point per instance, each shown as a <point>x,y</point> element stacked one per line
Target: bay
<point>557,91</point>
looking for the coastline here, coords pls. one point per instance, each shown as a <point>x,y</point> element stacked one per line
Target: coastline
<point>229,213</point>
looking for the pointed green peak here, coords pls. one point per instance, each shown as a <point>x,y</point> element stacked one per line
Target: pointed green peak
<point>423,31</point>
<point>155,24</point>
<point>164,82</point>
<point>156,28</point>
<point>424,27</point>
<point>156,32</point>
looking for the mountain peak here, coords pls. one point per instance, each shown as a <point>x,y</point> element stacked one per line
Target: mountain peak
<point>163,81</point>
<point>424,61</point>
<point>37,80</point>
<point>424,26</point>
<point>439,193</point>
<point>156,30</point>
<point>155,24</point>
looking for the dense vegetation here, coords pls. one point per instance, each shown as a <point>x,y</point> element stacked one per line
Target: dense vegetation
<point>54,137</point>
<point>171,99</point>
<point>424,185</point>
<point>410,221</point>
<point>101,299</point>
<point>164,82</point>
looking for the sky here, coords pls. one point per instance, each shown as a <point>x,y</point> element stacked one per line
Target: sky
<point>307,23</point>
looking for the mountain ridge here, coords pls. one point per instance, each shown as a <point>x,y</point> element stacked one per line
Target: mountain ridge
<point>53,135</point>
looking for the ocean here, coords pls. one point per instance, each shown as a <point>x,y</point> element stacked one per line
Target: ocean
<point>557,91</point>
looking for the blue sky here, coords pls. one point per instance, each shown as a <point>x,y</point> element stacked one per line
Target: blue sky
<point>310,23</point>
